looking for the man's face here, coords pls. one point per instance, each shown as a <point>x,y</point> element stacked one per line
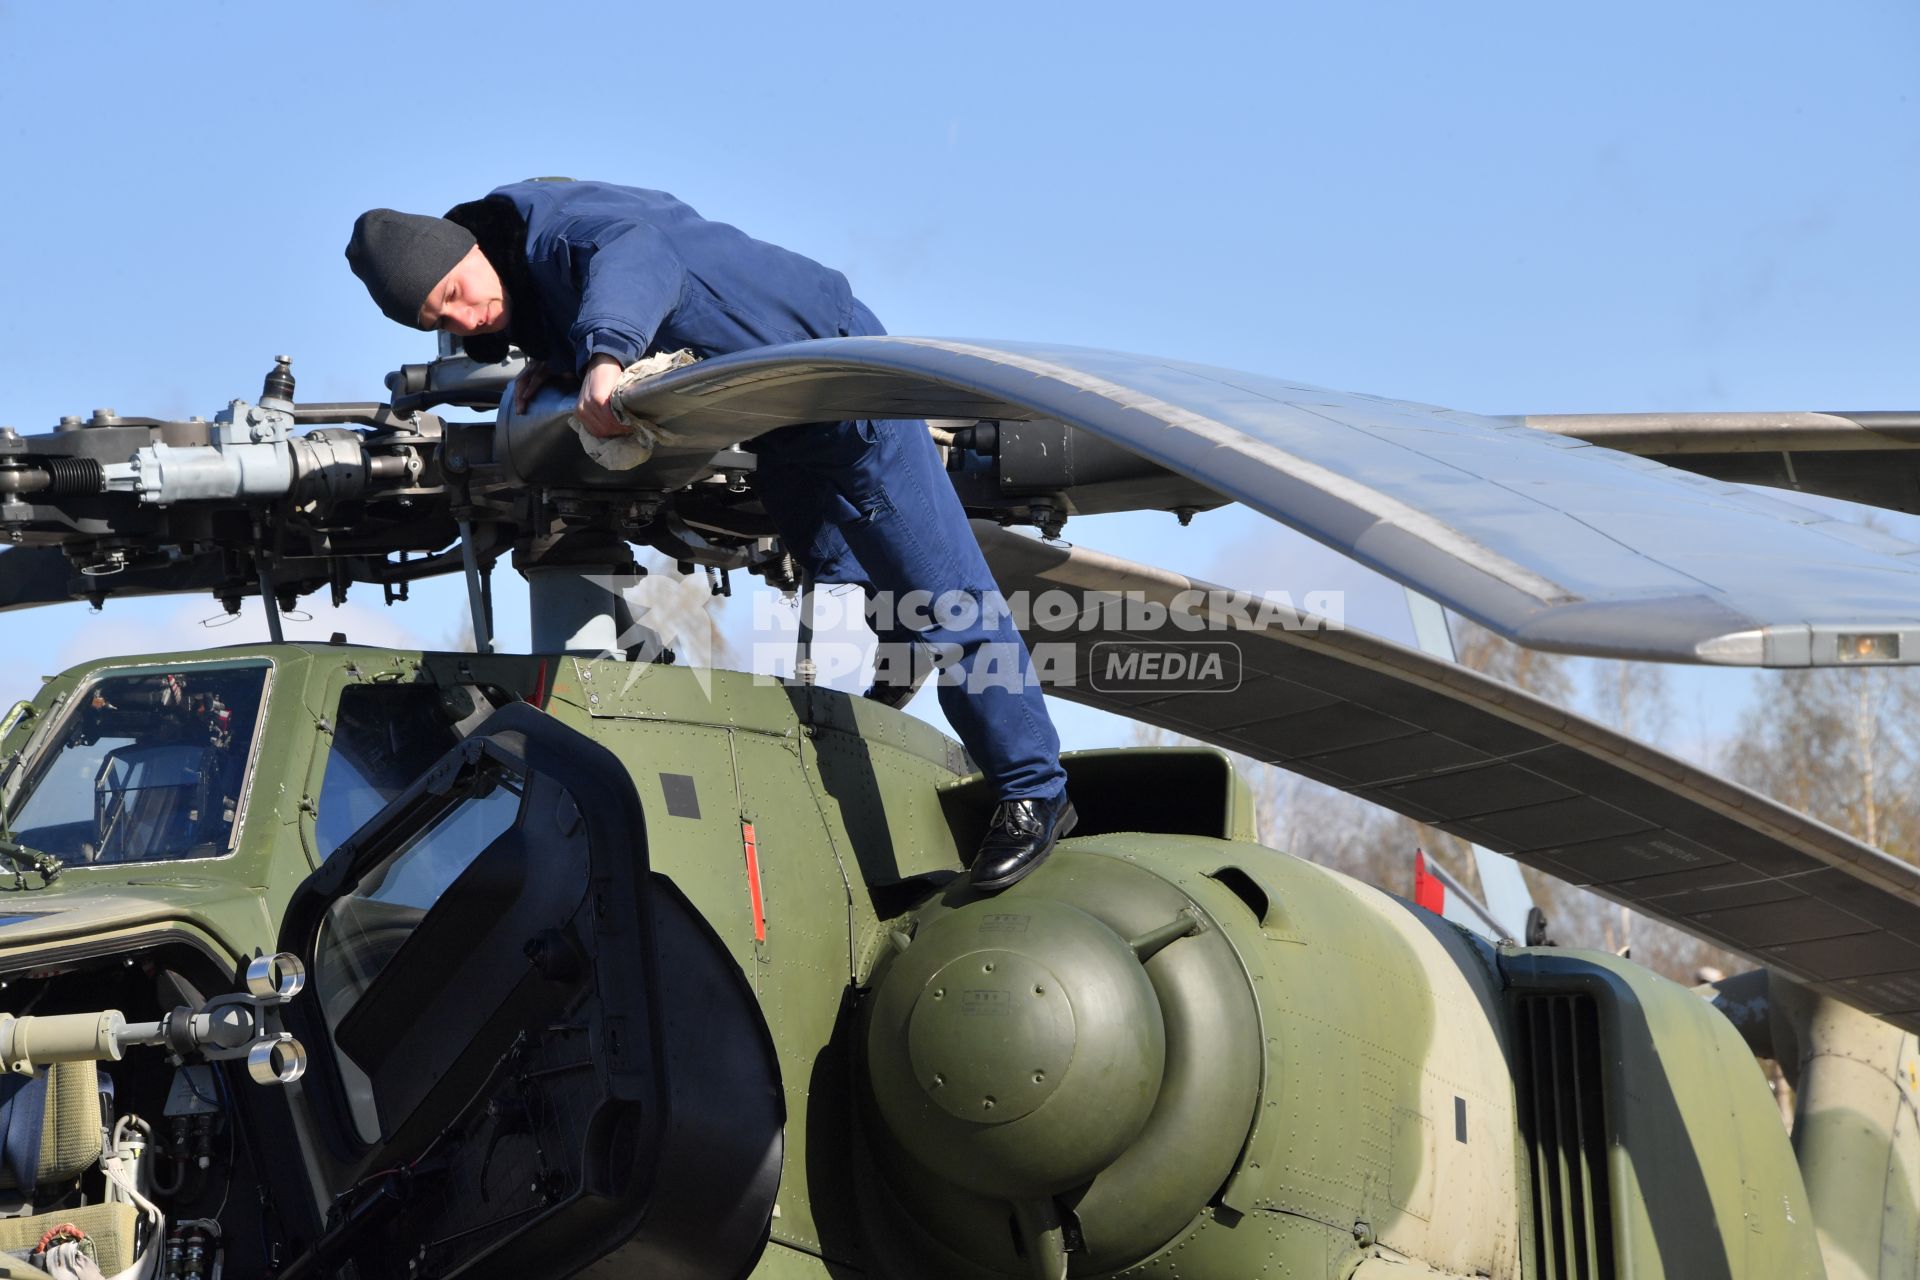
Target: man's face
<point>469,299</point>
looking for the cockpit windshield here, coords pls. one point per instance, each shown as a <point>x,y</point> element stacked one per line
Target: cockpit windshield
<point>144,767</point>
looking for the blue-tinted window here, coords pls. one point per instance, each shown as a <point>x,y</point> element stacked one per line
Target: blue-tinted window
<point>384,737</point>
<point>145,766</point>
<point>363,930</point>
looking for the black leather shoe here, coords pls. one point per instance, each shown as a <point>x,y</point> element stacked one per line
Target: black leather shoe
<point>1020,837</point>
<point>892,695</point>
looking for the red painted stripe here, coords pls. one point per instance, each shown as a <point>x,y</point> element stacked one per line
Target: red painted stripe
<point>753,882</point>
<point>540,687</point>
<point>1428,891</point>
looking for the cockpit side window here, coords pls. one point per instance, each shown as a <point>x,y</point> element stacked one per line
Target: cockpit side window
<point>146,766</point>
<point>363,930</point>
<point>384,735</point>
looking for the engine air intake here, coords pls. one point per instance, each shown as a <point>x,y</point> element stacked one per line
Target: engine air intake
<point>1563,1121</point>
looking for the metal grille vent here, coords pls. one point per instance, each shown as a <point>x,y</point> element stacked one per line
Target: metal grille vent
<point>1563,1121</point>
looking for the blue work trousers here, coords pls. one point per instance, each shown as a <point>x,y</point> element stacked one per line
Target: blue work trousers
<point>868,503</point>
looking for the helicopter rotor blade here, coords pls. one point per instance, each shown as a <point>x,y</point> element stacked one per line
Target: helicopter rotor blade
<point>1500,768</point>
<point>33,576</point>
<point>1872,458</point>
<point>1549,541</point>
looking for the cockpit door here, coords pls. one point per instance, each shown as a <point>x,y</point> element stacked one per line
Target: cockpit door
<point>534,1046</point>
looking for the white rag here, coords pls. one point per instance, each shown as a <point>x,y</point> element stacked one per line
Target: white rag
<point>69,1260</point>
<point>624,453</point>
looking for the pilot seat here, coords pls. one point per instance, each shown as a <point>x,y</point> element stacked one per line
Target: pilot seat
<point>51,1133</point>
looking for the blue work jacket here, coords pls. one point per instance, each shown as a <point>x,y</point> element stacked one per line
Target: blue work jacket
<point>625,271</point>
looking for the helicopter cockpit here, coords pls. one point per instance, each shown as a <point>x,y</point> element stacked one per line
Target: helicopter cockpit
<point>146,766</point>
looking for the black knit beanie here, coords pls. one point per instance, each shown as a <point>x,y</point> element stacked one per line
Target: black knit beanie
<point>400,257</point>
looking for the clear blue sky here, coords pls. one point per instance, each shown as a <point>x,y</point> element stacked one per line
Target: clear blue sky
<point>1509,207</point>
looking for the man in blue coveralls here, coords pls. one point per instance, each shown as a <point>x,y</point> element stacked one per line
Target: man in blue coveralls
<point>587,277</point>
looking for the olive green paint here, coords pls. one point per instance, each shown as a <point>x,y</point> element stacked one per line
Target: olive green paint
<point>1205,1058</point>
<point>1857,1102</point>
<point>1704,1181</point>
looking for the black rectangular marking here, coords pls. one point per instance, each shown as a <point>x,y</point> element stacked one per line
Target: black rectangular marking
<point>683,798</point>
<point>1459,1119</point>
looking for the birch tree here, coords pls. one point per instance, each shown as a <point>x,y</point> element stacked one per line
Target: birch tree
<point>1841,744</point>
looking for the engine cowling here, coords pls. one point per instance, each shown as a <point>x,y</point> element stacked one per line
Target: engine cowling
<point>1081,1057</point>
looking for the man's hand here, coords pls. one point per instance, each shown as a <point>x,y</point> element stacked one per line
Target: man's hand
<point>535,376</point>
<point>596,388</point>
